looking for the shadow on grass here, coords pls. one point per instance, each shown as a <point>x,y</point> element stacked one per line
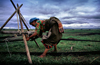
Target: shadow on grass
<point>87,34</point>
<point>20,59</point>
<point>53,63</point>
<point>73,39</point>
<point>57,53</point>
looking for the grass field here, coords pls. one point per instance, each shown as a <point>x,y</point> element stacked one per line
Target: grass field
<point>91,43</point>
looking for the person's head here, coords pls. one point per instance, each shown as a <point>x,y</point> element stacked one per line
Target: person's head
<point>33,21</point>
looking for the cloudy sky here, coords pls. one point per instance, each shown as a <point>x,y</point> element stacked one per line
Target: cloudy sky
<point>72,13</point>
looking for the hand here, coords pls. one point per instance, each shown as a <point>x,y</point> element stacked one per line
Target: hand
<point>27,39</point>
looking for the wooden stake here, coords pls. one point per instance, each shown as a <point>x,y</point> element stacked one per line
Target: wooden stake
<point>27,49</point>
<point>24,39</point>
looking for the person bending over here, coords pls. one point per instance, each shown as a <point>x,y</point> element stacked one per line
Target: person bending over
<point>55,29</point>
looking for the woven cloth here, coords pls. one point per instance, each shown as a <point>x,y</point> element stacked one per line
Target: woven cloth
<point>61,30</point>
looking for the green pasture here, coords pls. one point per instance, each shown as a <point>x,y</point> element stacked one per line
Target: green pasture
<point>91,42</point>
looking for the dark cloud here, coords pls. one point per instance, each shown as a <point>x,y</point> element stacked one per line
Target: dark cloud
<point>78,21</point>
<point>68,11</point>
<point>92,17</point>
<point>46,11</point>
<point>73,22</point>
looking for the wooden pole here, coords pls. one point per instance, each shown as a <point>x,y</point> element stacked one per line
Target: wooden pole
<point>26,26</point>
<point>20,14</point>
<point>24,39</point>
<point>10,18</point>
<point>36,43</point>
<point>22,19</point>
<point>13,4</point>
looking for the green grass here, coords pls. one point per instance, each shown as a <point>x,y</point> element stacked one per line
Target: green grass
<point>63,46</point>
<point>50,60</point>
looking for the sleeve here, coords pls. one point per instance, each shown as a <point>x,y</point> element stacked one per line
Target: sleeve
<point>37,29</point>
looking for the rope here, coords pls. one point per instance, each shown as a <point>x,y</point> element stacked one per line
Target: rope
<point>17,21</point>
<point>7,47</point>
<point>25,21</point>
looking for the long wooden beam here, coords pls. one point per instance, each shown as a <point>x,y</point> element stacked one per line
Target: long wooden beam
<point>61,39</point>
<point>10,17</point>
<point>16,32</point>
